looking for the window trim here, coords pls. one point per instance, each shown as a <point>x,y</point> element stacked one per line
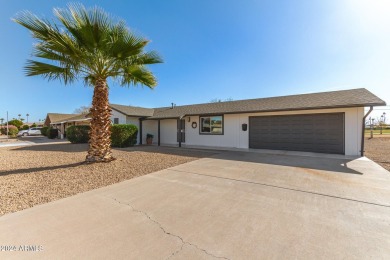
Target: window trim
<point>200,124</point>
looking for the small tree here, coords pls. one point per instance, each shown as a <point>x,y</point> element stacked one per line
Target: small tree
<point>16,123</point>
<point>82,110</point>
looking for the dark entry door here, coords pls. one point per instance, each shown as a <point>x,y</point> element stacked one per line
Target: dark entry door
<point>321,133</point>
<point>181,127</point>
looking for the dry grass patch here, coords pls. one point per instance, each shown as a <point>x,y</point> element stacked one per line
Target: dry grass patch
<point>38,174</point>
<point>378,150</point>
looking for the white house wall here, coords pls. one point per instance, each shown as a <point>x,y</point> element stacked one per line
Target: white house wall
<point>121,117</point>
<point>149,127</point>
<point>168,131</point>
<point>234,137</point>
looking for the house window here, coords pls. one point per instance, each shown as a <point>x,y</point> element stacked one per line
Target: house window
<point>211,125</point>
<point>116,121</point>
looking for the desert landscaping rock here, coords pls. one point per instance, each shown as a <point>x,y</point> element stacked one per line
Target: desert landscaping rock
<point>39,174</point>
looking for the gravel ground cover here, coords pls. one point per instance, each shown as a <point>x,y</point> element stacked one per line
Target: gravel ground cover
<point>39,174</point>
<point>378,150</point>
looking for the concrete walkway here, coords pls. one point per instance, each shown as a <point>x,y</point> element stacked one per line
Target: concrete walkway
<point>235,205</point>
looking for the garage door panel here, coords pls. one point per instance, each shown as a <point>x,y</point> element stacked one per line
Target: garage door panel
<point>311,132</point>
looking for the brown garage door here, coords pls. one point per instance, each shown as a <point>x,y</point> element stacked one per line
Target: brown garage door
<point>321,133</point>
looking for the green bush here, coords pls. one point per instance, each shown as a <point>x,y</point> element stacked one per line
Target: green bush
<point>12,130</point>
<point>34,125</point>
<point>123,135</point>
<point>25,127</point>
<point>52,133</point>
<point>78,133</point>
<point>44,130</point>
<point>16,123</point>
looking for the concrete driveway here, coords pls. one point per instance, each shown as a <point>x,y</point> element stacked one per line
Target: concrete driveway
<point>234,205</point>
<point>29,141</point>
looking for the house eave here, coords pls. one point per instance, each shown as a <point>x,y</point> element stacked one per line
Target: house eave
<point>269,110</point>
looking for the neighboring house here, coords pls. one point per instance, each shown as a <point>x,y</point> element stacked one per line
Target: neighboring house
<point>56,117</point>
<point>328,122</point>
<point>62,121</point>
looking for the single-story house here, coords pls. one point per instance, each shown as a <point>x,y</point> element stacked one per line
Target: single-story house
<point>327,122</point>
<point>55,117</point>
<point>62,121</point>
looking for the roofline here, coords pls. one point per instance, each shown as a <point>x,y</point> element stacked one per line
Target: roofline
<point>267,111</point>
<point>130,114</point>
<point>77,120</point>
<point>274,97</point>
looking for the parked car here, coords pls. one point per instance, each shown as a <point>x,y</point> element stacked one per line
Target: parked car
<point>31,131</point>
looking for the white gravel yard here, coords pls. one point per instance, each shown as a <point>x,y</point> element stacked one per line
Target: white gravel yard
<point>39,174</point>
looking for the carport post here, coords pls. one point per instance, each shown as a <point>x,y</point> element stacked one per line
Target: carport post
<point>140,131</point>
<point>179,130</point>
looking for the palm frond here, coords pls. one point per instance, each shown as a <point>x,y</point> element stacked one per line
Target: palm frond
<point>49,71</point>
<point>90,27</point>
<point>146,58</point>
<point>39,28</point>
<point>88,43</point>
<point>136,75</point>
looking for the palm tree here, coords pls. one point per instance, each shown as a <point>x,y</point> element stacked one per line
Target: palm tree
<point>89,44</point>
<point>27,115</point>
<point>1,120</point>
<point>19,115</point>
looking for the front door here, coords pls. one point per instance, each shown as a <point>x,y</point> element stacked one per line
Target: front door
<point>181,127</point>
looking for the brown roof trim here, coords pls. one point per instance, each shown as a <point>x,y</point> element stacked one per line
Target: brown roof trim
<point>125,113</point>
<point>162,118</point>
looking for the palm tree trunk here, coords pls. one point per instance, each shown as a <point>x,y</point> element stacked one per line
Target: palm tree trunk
<point>100,133</point>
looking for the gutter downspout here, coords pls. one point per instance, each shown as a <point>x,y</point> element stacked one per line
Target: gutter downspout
<point>363,130</point>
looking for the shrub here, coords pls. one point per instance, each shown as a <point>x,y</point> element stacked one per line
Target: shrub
<point>149,136</point>
<point>25,127</point>
<point>44,130</point>
<point>52,133</point>
<point>78,133</point>
<point>123,135</point>
<point>34,125</point>
<point>16,123</point>
<point>12,130</point>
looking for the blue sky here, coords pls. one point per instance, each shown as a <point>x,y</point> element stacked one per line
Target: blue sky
<point>217,49</point>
